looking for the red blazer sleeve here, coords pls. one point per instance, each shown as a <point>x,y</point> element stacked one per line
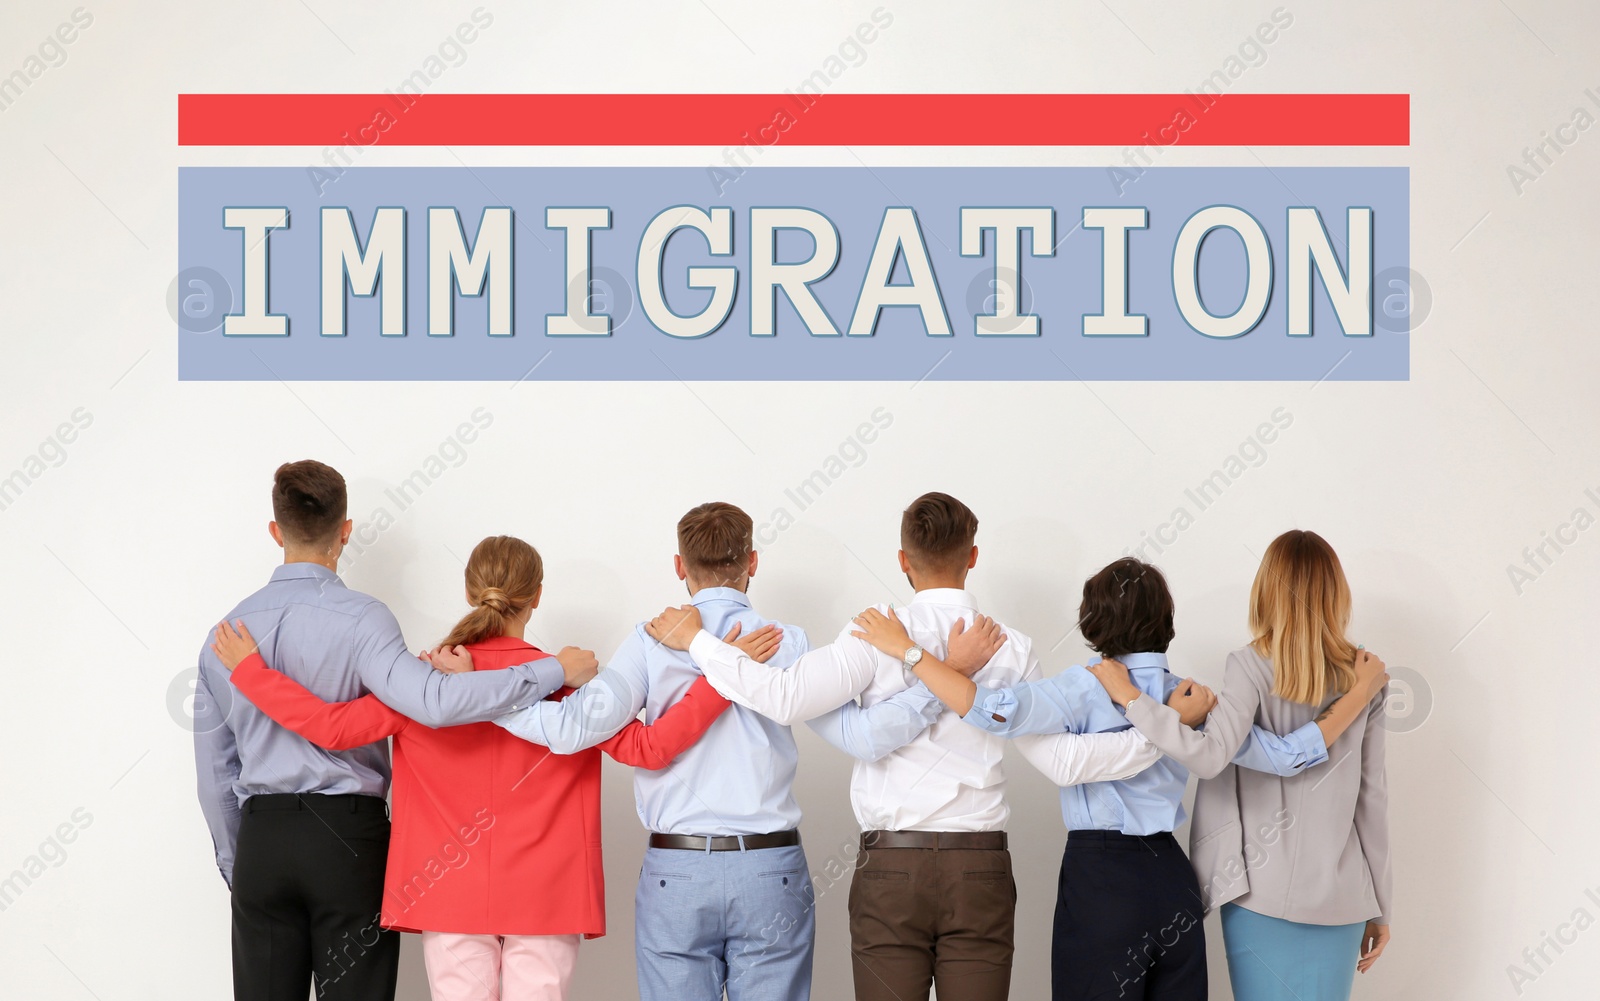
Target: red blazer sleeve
<point>674,732</point>
<point>337,726</point>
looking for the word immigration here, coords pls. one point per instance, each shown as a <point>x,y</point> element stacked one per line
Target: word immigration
<point>814,273</point>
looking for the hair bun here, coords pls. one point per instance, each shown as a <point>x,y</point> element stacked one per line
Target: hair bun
<point>495,600</point>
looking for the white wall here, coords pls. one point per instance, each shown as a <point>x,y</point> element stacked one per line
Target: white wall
<point>116,561</point>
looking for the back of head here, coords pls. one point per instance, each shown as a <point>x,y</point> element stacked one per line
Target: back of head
<point>504,575</point>
<point>308,502</point>
<point>937,533</point>
<point>1126,608</point>
<point>1299,609</point>
<point>715,541</point>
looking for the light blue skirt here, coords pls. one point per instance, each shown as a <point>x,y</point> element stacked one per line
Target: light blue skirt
<point>1270,959</point>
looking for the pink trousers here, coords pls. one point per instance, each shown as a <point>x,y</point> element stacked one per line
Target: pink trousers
<point>499,967</point>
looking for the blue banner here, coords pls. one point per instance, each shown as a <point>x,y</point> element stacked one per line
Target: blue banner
<point>851,273</point>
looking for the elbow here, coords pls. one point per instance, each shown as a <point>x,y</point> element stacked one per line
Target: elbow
<point>1207,769</point>
<point>430,718</point>
<point>564,743</point>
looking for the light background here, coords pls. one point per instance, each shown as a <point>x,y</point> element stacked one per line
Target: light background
<point>118,559</point>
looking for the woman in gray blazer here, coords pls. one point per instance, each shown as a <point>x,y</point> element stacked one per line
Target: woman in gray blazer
<point>1298,864</point>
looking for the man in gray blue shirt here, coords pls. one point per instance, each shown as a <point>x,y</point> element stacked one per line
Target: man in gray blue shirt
<point>301,833</point>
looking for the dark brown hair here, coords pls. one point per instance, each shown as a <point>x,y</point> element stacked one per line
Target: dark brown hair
<point>715,539</point>
<point>936,532</point>
<point>1126,609</point>
<point>503,577</point>
<point>308,501</point>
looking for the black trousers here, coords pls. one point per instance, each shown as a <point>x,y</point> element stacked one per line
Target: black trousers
<point>1128,921</point>
<point>307,887</point>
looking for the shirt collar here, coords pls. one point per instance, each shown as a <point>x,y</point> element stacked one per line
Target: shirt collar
<point>944,596</point>
<point>306,571</point>
<point>710,594</point>
<point>1134,661</point>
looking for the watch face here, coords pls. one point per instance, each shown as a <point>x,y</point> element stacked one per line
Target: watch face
<point>913,656</point>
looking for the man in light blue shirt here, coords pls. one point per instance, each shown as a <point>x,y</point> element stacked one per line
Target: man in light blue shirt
<point>724,900</point>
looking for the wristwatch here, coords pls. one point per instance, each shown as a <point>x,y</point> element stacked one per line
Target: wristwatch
<point>1131,701</point>
<point>913,656</point>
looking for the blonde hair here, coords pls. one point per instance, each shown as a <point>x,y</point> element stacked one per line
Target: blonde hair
<point>1299,609</point>
<point>504,575</point>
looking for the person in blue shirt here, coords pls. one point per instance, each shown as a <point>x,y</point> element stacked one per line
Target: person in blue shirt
<point>301,834</point>
<point>725,900</point>
<point>1128,909</point>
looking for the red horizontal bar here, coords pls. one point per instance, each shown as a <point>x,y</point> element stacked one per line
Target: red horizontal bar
<point>801,119</point>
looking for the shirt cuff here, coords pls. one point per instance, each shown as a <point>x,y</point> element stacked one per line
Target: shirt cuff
<point>548,674</point>
<point>1309,745</point>
<point>1142,709</point>
<point>993,710</point>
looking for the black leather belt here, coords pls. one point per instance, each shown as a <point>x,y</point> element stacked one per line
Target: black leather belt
<point>983,841</point>
<point>316,802</point>
<point>729,843</point>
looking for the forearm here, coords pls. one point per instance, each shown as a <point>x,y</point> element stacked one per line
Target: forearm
<point>585,718</point>
<point>1290,754</point>
<point>1203,752</point>
<point>1070,758</point>
<point>1372,810</point>
<point>1345,710</point>
<point>818,682</point>
<point>433,698</point>
<point>337,726</point>
<point>656,745</point>
<point>1047,706</point>
<point>218,802</point>
<point>436,699</point>
<point>216,759</point>
<point>871,733</point>
<point>953,688</point>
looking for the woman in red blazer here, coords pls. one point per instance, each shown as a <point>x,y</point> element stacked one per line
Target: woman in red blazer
<point>495,854</point>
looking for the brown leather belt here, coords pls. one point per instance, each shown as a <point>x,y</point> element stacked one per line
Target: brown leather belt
<point>729,843</point>
<point>985,841</point>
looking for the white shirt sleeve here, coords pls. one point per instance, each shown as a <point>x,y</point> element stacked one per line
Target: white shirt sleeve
<point>1071,758</point>
<point>818,682</point>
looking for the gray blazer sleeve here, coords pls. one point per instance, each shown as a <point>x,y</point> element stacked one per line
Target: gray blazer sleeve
<point>1204,752</point>
<point>1372,807</point>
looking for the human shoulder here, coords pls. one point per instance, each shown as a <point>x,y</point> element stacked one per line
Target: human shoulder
<point>1251,664</point>
<point>1017,639</point>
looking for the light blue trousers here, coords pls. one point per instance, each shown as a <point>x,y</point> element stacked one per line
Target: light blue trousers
<point>708,920</point>
<point>1270,959</point>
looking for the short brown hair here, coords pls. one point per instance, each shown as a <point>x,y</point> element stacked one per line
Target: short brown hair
<point>936,532</point>
<point>715,539</point>
<point>1126,609</point>
<point>308,501</point>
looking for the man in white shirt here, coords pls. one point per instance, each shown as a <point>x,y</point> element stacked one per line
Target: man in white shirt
<point>933,901</point>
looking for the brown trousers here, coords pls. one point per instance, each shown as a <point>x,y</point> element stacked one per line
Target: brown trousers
<point>923,916</point>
